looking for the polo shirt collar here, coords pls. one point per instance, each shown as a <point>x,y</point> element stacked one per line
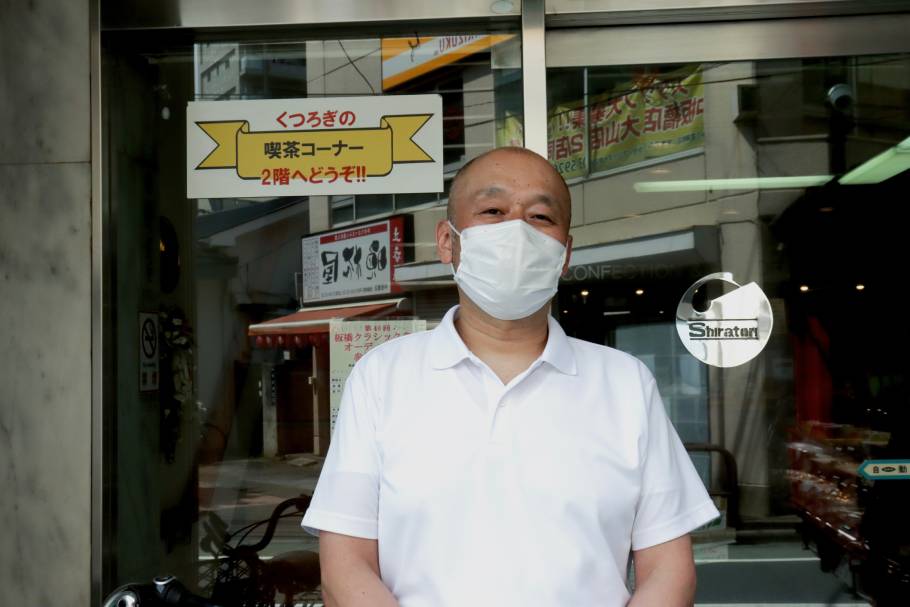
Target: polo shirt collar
<point>558,351</point>
<point>448,349</point>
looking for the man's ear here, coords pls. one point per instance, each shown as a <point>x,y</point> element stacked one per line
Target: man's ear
<point>444,241</point>
<point>565,266</point>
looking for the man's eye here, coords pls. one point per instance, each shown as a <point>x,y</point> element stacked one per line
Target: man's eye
<point>493,211</point>
<point>543,218</point>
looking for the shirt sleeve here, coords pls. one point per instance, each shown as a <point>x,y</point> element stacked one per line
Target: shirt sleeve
<point>346,499</point>
<point>673,499</point>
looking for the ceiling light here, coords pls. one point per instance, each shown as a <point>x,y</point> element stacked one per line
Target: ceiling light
<point>804,288</point>
<point>639,291</point>
<point>860,287</point>
<point>879,168</point>
<point>584,293</point>
<point>745,183</point>
<point>618,313</point>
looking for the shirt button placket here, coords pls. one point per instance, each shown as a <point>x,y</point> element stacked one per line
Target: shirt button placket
<point>500,424</point>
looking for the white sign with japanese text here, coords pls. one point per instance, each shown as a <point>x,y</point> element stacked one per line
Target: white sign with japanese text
<point>349,340</point>
<point>358,261</point>
<point>295,147</point>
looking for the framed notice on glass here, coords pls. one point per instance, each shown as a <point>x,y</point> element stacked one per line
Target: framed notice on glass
<point>358,261</point>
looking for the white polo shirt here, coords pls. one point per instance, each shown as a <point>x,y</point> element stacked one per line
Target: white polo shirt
<point>530,493</point>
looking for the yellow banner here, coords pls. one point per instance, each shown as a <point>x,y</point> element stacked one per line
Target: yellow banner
<point>566,141</point>
<point>653,116</point>
<point>317,156</point>
<point>510,131</point>
<point>404,59</point>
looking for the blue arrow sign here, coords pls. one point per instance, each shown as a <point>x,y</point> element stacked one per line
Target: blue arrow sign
<point>885,469</point>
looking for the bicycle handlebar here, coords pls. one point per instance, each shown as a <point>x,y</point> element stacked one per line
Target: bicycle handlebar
<point>162,591</point>
<point>301,502</point>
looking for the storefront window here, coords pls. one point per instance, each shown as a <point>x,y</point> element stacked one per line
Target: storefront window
<point>735,226</point>
<point>788,174</point>
<point>231,426</point>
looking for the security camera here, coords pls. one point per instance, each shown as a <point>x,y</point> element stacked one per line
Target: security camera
<point>840,96</point>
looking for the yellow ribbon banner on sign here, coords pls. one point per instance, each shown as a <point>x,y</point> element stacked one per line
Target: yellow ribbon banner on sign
<point>351,154</point>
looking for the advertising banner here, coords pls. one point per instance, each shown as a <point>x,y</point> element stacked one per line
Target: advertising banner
<point>566,141</point>
<point>404,59</point>
<point>653,116</point>
<point>510,131</point>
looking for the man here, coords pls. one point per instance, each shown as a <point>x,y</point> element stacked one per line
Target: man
<point>494,461</point>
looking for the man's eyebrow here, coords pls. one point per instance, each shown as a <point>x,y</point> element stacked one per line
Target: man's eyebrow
<point>546,199</point>
<point>495,190</point>
<point>556,206</point>
<point>490,191</point>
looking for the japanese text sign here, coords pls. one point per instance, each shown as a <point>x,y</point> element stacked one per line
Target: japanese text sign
<point>297,147</point>
<point>358,261</point>
<point>349,340</point>
<point>566,141</point>
<point>885,469</point>
<point>652,116</point>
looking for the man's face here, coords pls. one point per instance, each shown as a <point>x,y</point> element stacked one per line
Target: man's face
<point>507,185</point>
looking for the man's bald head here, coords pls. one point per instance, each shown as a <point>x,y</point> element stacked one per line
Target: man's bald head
<point>515,158</point>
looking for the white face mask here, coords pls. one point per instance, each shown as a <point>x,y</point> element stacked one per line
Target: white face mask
<point>509,269</point>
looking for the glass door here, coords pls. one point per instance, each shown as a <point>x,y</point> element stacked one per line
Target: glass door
<point>227,428</point>
<point>739,225</point>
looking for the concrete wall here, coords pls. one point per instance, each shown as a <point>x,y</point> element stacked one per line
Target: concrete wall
<point>45,253</point>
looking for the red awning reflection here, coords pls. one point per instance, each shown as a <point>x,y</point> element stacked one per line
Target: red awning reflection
<point>309,326</point>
